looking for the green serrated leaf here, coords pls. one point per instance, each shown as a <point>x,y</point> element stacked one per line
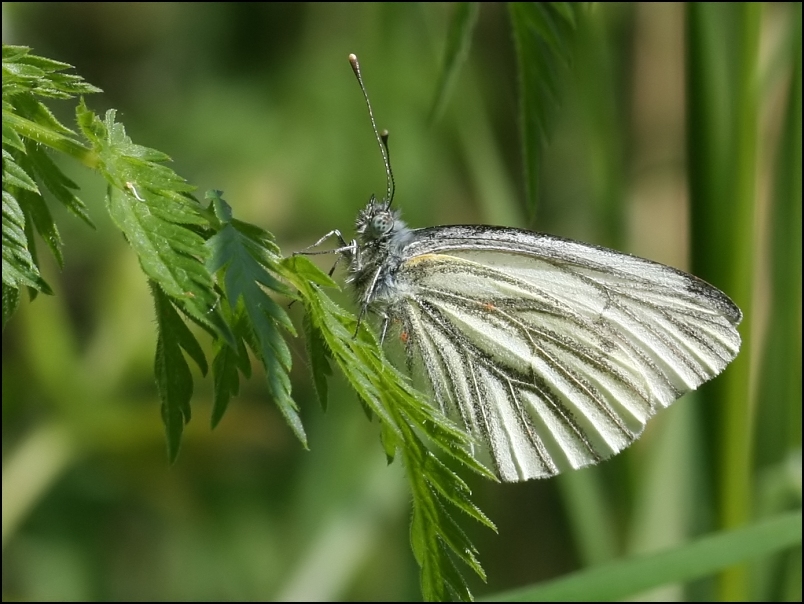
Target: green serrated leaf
<point>12,52</point>
<point>173,378</point>
<point>226,381</point>
<point>389,443</point>
<point>89,123</point>
<point>11,138</point>
<point>302,266</point>
<point>454,581</point>
<point>29,107</point>
<point>37,212</point>
<point>265,239</point>
<point>158,245</point>
<point>19,264</point>
<point>440,580</point>
<point>45,64</point>
<point>56,182</point>
<point>221,209</point>
<point>15,176</point>
<point>458,492</point>
<point>435,537</point>
<point>245,264</point>
<point>457,541</point>
<point>27,73</point>
<point>447,437</point>
<point>319,356</point>
<point>11,301</point>
<point>243,332</point>
<point>46,135</point>
<point>156,219</point>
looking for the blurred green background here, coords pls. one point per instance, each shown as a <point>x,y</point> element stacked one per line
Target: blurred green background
<point>675,138</point>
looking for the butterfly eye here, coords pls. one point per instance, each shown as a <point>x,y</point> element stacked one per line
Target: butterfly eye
<point>382,223</point>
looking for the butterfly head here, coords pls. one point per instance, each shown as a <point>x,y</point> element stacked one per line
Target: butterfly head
<point>377,222</point>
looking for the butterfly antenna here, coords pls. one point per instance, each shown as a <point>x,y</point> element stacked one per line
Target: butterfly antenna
<point>382,140</point>
<point>391,186</point>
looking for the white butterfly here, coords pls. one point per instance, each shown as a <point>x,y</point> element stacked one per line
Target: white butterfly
<point>551,353</point>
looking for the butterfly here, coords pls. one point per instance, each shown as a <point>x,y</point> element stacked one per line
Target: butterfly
<point>552,354</point>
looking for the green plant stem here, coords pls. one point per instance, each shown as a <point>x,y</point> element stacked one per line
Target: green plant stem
<point>736,454</point>
<point>722,51</point>
<point>49,137</point>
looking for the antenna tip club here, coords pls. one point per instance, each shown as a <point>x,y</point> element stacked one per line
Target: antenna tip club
<point>355,65</point>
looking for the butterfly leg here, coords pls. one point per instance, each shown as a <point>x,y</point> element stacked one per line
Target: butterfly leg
<point>346,249</point>
<point>360,319</point>
<point>385,321</point>
<point>334,232</point>
<point>334,266</point>
<point>369,293</point>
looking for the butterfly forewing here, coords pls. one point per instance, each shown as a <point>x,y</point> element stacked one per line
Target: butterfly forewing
<point>553,354</point>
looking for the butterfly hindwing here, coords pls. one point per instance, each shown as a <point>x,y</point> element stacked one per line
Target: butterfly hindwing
<point>553,354</point>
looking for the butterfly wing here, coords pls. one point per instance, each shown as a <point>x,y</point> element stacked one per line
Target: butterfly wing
<point>553,354</point>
